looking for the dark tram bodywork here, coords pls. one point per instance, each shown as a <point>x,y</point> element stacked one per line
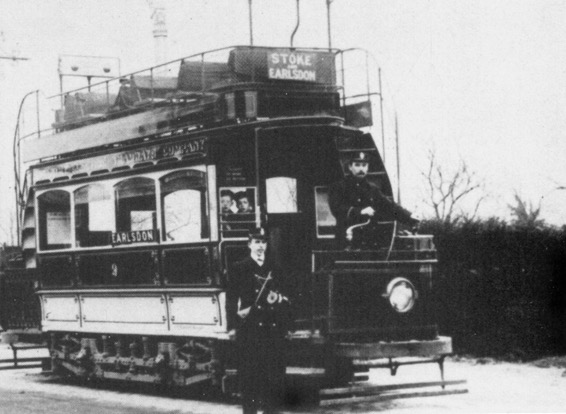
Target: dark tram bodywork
<point>121,219</point>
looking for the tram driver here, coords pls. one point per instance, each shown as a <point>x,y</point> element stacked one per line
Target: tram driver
<point>259,315</point>
<point>355,200</point>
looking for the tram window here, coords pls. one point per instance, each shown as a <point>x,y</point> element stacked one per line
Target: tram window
<point>135,205</point>
<point>54,220</point>
<point>57,271</point>
<point>183,202</point>
<point>237,211</point>
<point>93,209</point>
<point>281,195</point>
<point>186,266</point>
<point>325,221</point>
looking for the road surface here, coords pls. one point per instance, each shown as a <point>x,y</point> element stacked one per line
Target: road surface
<point>493,387</point>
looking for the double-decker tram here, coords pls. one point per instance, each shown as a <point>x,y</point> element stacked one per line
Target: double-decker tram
<point>138,200</point>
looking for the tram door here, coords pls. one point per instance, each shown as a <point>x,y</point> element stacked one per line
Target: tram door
<point>290,162</point>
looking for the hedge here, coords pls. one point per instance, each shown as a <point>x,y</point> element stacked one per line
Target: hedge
<point>501,289</point>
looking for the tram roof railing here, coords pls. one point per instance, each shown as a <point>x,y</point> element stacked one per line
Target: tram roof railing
<point>188,78</point>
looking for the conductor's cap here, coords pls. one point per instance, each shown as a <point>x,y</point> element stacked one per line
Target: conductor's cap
<point>360,156</point>
<point>258,233</point>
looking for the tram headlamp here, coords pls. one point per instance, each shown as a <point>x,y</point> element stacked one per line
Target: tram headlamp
<point>402,294</point>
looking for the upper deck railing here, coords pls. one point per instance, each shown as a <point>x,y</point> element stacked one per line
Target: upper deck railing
<point>191,79</point>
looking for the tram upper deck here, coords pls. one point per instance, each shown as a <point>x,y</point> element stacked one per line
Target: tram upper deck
<point>232,85</point>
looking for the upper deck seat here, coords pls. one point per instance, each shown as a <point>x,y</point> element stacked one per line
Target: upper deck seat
<point>83,107</point>
<point>141,90</point>
<point>156,88</point>
<point>197,76</point>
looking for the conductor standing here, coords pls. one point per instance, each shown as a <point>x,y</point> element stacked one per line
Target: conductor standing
<point>258,310</point>
<point>355,200</point>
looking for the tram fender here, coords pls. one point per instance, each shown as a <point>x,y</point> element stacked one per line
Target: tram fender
<point>439,346</point>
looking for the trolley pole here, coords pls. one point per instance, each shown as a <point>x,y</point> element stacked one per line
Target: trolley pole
<point>328,23</point>
<point>251,22</point>
<point>298,22</point>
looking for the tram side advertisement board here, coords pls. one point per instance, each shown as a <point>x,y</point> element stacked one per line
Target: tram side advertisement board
<point>190,148</point>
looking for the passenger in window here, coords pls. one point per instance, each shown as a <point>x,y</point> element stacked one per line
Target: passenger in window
<point>355,200</point>
<point>226,201</point>
<point>244,220</point>
<point>243,202</point>
<point>226,205</point>
<point>259,315</point>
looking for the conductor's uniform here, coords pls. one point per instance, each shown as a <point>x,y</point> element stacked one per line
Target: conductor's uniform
<point>260,335</point>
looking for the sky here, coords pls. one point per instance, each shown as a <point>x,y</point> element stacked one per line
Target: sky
<point>478,81</point>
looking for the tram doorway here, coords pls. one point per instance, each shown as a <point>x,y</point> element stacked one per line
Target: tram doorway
<point>292,162</point>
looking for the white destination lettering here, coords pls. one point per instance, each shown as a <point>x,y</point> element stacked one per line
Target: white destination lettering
<point>291,59</point>
<point>292,74</point>
<point>127,237</point>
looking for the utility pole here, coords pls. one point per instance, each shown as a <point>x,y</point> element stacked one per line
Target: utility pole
<point>13,221</point>
<point>159,30</point>
<point>398,160</point>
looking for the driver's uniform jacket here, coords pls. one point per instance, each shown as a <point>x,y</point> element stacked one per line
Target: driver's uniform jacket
<point>350,196</point>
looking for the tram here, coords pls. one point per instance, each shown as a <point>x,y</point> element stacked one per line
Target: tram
<point>128,220</point>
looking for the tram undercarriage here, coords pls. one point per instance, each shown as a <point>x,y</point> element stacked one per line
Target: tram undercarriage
<point>339,376</point>
<point>139,359</point>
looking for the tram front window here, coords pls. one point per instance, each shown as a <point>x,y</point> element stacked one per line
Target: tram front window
<point>325,221</point>
<point>94,209</point>
<point>281,195</point>
<point>183,205</point>
<point>135,205</point>
<point>54,220</point>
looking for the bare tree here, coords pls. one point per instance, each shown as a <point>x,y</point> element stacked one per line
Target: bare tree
<point>445,191</point>
<point>8,231</point>
<point>525,213</point>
